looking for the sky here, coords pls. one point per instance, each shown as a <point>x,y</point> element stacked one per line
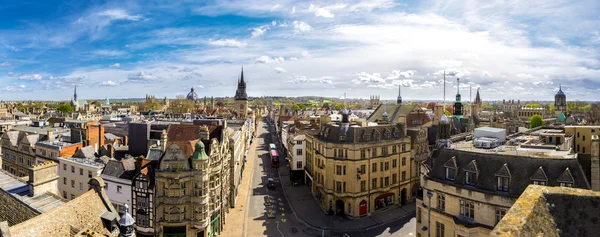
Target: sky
<point>508,49</point>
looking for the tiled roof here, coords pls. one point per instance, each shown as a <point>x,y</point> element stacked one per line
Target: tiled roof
<point>357,134</point>
<point>520,169</point>
<point>123,169</point>
<point>83,212</point>
<point>85,152</point>
<point>111,136</point>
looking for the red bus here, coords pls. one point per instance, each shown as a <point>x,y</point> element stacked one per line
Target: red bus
<point>274,158</point>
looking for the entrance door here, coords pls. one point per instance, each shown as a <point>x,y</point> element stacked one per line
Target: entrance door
<point>363,208</point>
<point>403,196</point>
<point>339,207</point>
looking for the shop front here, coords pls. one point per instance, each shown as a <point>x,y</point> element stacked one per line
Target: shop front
<point>383,201</point>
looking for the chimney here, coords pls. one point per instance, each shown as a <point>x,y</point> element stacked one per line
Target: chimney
<point>50,135</point>
<point>101,139</point>
<point>438,111</point>
<point>163,140</point>
<point>111,151</point>
<point>125,140</point>
<point>595,163</point>
<point>204,134</point>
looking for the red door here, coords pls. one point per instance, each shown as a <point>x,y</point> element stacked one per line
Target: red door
<point>363,208</point>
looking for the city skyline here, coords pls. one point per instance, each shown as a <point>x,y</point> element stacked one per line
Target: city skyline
<point>126,50</point>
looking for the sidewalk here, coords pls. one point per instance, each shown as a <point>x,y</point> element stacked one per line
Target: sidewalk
<point>307,210</point>
<point>235,220</point>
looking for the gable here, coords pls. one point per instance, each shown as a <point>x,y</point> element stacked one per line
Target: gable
<point>539,175</point>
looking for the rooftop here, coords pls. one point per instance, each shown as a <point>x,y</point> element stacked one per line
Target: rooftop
<point>85,161</point>
<point>55,143</point>
<point>20,190</point>
<point>552,211</point>
<point>39,130</point>
<point>516,150</point>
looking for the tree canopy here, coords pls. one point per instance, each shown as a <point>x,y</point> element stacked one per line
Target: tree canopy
<point>65,108</point>
<point>535,121</point>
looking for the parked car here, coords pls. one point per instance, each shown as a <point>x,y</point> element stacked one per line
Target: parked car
<point>270,183</point>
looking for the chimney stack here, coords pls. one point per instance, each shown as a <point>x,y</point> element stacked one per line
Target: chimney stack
<point>204,133</point>
<point>50,135</point>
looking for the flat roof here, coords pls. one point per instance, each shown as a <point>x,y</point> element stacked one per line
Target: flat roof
<point>20,190</point>
<point>55,143</point>
<point>39,130</point>
<point>84,161</point>
<point>517,150</point>
<point>77,121</point>
<point>490,129</point>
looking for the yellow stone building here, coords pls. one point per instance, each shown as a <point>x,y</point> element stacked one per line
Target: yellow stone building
<point>18,152</point>
<point>358,170</point>
<point>192,181</point>
<point>583,137</point>
<point>467,191</point>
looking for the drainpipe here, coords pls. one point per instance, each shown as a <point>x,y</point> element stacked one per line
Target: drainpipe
<point>429,195</point>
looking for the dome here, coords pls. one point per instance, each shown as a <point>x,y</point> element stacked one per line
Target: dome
<point>192,95</point>
<point>560,92</point>
<point>199,151</point>
<point>126,219</point>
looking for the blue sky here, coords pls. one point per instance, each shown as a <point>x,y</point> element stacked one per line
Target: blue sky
<point>124,49</point>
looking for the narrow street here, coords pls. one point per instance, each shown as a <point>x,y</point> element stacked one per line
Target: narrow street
<point>285,223</point>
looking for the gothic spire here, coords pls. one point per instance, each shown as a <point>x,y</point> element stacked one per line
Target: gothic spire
<point>243,74</point>
<point>75,93</point>
<point>399,100</point>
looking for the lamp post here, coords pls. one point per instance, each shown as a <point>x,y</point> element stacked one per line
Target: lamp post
<point>429,195</point>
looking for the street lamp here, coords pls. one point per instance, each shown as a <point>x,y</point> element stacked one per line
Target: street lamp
<point>429,195</point>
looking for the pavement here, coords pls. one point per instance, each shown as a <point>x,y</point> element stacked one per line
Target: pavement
<point>296,212</point>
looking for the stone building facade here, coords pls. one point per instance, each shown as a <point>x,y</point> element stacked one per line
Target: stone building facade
<point>192,181</point>
<point>355,171</point>
<point>18,152</point>
<point>467,192</point>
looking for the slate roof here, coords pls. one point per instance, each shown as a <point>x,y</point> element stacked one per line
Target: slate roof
<point>333,133</point>
<point>111,136</point>
<point>520,169</point>
<point>85,152</point>
<point>84,212</point>
<point>123,169</point>
<point>154,154</point>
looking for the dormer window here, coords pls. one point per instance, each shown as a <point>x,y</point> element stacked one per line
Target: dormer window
<point>539,177</point>
<point>471,172</point>
<point>503,178</point>
<point>566,179</point>
<point>396,133</point>
<point>451,168</point>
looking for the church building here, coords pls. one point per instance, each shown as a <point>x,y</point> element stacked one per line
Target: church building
<point>241,98</point>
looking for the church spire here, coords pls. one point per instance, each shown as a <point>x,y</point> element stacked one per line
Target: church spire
<point>242,75</point>
<point>477,98</point>
<point>75,93</point>
<point>399,99</point>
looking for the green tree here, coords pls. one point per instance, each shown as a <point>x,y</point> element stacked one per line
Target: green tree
<point>551,108</point>
<point>65,108</point>
<point>296,107</point>
<point>533,106</point>
<point>181,105</point>
<point>447,113</point>
<point>535,121</point>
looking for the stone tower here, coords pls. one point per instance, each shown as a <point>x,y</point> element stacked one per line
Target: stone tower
<point>457,104</point>
<point>399,99</point>
<point>241,98</point>
<point>595,163</point>
<point>477,105</point>
<point>374,101</point>
<point>560,101</point>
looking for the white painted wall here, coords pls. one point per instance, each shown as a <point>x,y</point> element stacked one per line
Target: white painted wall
<point>118,191</point>
<point>80,180</point>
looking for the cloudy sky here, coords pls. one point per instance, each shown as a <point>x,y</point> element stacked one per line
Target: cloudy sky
<point>123,49</point>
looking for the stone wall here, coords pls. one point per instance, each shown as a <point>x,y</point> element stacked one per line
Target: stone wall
<point>13,211</point>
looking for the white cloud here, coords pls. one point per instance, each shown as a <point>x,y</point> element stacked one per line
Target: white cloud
<point>6,64</point>
<point>279,70</point>
<point>364,77</point>
<point>301,27</point>
<point>142,76</point>
<point>261,30</point>
<point>486,74</point>
<point>268,60</point>
<point>116,65</point>
<point>200,86</point>
<point>299,79</point>
<point>305,54</point>
<point>119,14</point>
<point>293,10</point>
<point>450,62</point>
<point>109,83</point>
<point>227,43</point>
<point>275,7</point>
<point>293,58</point>
<point>320,11</point>
<point>396,74</point>
<point>109,53</point>
<point>31,77</point>
<point>525,75</point>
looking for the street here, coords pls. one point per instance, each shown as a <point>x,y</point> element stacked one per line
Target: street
<point>262,200</point>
